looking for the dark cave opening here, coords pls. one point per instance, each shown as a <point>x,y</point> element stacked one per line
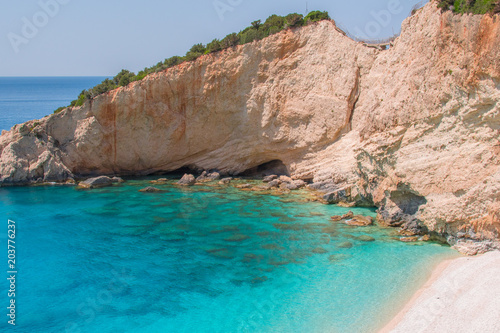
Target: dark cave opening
<point>274,167</point>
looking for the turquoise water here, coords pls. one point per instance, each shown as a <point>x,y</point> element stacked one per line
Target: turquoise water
<point>27,98</point>
<point>201,259</point>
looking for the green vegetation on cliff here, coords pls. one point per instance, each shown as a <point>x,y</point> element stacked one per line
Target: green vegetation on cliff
<point>471,6</point>
<point>256,31</point>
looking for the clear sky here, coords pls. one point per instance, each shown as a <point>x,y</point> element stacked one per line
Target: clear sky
<point>100,37</point>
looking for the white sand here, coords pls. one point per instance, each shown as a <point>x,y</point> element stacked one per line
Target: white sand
<point>463,295</point>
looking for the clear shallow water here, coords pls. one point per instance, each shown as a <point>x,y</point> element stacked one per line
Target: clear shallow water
<point>201,259</point>
<point>27,98</point>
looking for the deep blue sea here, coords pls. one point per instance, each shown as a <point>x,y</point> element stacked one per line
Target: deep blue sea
<point>199,259</point>
<point>27,98</point>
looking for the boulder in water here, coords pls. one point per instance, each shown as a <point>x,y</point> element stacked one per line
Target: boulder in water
<point>349,215</point>
<point>187,180</point>
<point>225,181</point>
<point>208,177</point>
<point>360,221</point>
<point>269,179</point>
<point>274,183</point>
<point>150,189</point>
<point>96,182</point>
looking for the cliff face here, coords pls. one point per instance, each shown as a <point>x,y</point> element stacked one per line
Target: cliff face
<point>413,129</point>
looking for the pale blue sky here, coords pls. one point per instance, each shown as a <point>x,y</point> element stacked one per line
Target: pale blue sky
<point>91,37</point>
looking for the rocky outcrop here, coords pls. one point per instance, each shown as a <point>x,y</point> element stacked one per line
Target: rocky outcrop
<point>187,180</point>
<point>96,182</point>
<point>208,177</point>
<point>150,189</point>
<point>413,130</point>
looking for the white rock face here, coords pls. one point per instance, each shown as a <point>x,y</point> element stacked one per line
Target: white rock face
<point>414,129</point>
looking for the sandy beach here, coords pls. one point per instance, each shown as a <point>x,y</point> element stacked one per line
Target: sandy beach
<point>462,295</point>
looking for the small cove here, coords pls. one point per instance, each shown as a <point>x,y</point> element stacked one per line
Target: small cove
<point>204,259</point>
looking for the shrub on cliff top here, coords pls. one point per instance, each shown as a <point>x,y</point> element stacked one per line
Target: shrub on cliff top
<point>195,52</point>
<point>58,110</point>
<point>316,16</point>
<point>294,20</point>
<point>470,6</point>
<point>257,24</point>
<point>123,78</point>
<point>173,61</point>
<point>274,22</point>
<point>230,40</point>
<point>214,46</point>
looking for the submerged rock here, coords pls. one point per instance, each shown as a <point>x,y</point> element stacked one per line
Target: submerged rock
<point>338,257</point>
<point>336,218</point>
<point>410,239</point>
<point>316,214</point>
<point>160,181</point>
<point>360,221</point>
<point>237,238</point>
<point>225,181</point>
<point>259,279</point>
<point>345,245</point>
<point>319,250</point>
<point>97,182</point>
<point>229,228</point>
<point>187,180</point>
<point>287,219</point>
<point>331,230</point>
<point>365,238</point>
<point>292,226</point>
<point>150,189</point>
<point>271,247</point>
<point>249,257</point>
<point>221,253</point>
<point>276,262</point>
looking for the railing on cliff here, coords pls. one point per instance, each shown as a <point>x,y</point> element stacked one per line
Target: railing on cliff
<point>378,43</point>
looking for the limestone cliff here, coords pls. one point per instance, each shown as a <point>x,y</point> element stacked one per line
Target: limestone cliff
<point>413,130</point>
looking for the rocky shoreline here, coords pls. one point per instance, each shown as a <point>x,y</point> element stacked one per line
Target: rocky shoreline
<point>274,185</point>
<point>413,130</point>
